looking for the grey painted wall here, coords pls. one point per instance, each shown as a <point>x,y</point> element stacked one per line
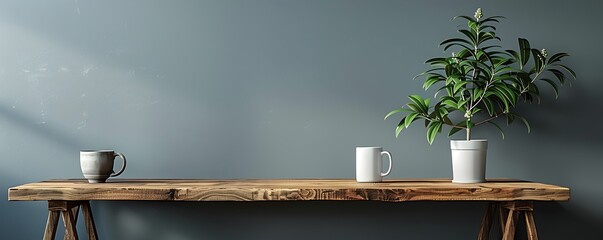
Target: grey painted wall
<point>277,89</point>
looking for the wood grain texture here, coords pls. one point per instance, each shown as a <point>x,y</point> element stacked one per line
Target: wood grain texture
<point>510,225</point>
<point>89,220</point>
<point>51,225</point>
<point>287,190</point>
<point>484,231</point>
<point>530,225</point>
<point>70,230</point>
<point>75,213</point>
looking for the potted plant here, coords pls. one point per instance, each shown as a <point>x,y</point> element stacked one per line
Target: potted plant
<point>480,84</point>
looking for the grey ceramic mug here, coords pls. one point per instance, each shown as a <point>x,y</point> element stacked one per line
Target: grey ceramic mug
<point>97,165</point>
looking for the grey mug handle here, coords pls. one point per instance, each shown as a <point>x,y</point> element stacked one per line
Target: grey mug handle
<point>123,166</point>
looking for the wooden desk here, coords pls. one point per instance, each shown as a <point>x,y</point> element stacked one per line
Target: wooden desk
<point>508,198</point>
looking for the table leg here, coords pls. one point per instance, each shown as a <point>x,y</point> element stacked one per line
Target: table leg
<point>484,232</point>
<point>69,211</point>
<point>515,209</point>
<point>531,225</point>
<point>502,212</point>
<point>51,225</point>
<point>511,223</point>
<point>508,216</point>
<point>69,220</point>
<point>74,213</point>
<point>90,227</point>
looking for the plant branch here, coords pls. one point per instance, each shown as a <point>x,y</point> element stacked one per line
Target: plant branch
<point>488,120</point>
<point>526,89</point>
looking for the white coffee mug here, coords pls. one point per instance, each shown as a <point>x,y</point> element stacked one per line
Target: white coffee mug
<point>97,165</point>
<point>368,164</point>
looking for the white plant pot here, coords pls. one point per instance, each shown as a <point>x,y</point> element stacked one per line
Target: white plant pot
<point>469,160</point>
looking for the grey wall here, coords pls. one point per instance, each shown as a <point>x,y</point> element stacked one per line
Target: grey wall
<point>277,89</point>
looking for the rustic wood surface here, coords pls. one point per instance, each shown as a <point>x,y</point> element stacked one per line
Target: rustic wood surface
<point>509,213</point>
<point>51,225</point>
<point>484,230</point>
<point>287,189</point>
<point>89,221</point>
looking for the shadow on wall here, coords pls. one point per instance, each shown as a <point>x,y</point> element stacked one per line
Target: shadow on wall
<point>286,220</point>
<point>15,170</point>
<point>560,221</point>
<point>45,130</point>
<point>317,220</point>
<point>568,118</point>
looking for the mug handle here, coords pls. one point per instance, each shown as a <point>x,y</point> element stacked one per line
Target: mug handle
<point>389,169</point>
<point>123,166</point>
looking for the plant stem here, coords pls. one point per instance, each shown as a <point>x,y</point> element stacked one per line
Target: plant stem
<point>487,120</point>
<point>526,89</point>
<point>468,130</point>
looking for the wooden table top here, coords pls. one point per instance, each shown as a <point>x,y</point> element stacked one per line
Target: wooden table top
<point>396,190</point>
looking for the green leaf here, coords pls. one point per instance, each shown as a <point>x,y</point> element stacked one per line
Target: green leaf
<point>392,113</point>
<point>437,61</point>
<point>456,44</point>
<point>399,130</point>
<point>400,127</point>
<point>470,19</point>
<point>488,56</point>
<point>477,92</point>
<point>458,86</point>
<point>510,118</point>
<point>409,119</point>
<point>396,111</point>
<point>455,40</point>
<point>539,60</point>
<point>450,103</point>
<point>489,106</point>
<point>569,70</point>
<point>525,122</point>
<point>447,120</point>
<point>501,71</point>
<point>485,36</point>
<point>473,25</point>
<point>419,102</point>
<point>430,73</point>
<point>560,76</point>
<point>454,78</point>
<point>449,90</point>
<point>414,107</point>
<point>470,35</point>
<point>427,102</point>
<point>432,130</point>
<point>502,98</point>
<point>510,93</point>
<point>486,27</point>
<point>499,129</point>
<point>530,97</point>
<point>534,89</point>
<point>492,19</point>
<point>464,53</point>
<point>557,57</point>
<point>430,81</point>
<point>524,51</point>
<point>461,104</point>
<point>514,54</point>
